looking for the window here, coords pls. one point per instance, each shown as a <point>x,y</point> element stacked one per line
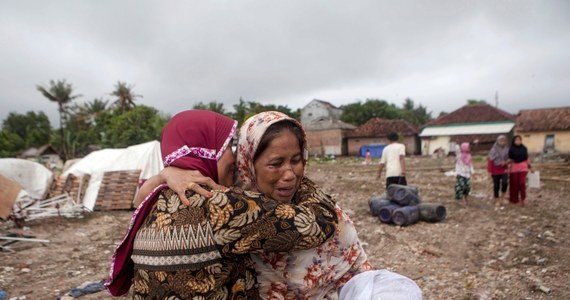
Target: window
<point>549,142</point>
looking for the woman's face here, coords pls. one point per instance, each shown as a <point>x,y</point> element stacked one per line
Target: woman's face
<point>518,141</point>
<point>226,167</point>
<point>280,168</point>
<point>502,141</point>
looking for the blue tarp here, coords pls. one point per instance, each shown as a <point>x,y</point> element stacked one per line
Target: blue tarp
<point>375,150</point>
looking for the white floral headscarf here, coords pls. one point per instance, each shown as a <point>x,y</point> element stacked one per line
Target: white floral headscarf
<point>249,136</point>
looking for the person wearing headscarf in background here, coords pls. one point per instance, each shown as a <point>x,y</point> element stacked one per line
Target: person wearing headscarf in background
<point>175,251</point>
<point>464,172</point>
<point>519,166</point>
<point>271,159</point>
<point>497,164</point>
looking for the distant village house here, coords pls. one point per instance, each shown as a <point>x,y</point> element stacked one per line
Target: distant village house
<point>45,155</point>
<point>545,130</point>
<point>326,133</point>
<point>478,124</point>
<point>375,132</point>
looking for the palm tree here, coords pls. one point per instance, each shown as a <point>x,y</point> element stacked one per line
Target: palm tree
<point>59,92</point>
<point>125,96</point>
<point>95,108</point>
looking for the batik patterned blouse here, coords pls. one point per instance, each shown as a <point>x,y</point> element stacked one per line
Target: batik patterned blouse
<point>202,251</point>
<point>315,273</point>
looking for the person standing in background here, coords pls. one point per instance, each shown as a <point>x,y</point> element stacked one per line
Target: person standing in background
<point>368,158</point>
<point>497,167</point>
<point>464,171</point>
<point>520,165</point>
<point>393,157</point>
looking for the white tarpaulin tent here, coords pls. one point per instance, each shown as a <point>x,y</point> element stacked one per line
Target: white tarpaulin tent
<point>145,157</point>
<point>34,178</point>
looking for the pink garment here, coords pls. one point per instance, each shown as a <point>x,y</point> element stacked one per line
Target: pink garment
<point>465,153</point>
<point>519,167</point>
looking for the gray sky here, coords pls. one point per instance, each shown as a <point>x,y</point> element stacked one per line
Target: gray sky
<point>177,53</point>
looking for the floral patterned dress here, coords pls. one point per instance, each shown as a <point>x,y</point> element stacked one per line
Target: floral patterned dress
<point>315,273</point>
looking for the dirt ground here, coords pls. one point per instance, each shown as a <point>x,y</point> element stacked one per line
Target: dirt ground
<point>475,253</point>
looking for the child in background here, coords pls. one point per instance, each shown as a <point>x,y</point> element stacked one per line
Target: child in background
<point>368,158</point>
<point>464,171</point>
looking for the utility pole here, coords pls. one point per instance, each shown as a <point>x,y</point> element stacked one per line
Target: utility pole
<point>497,99</point>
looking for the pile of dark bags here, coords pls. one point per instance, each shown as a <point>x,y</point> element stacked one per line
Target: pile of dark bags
<point>401,205</point>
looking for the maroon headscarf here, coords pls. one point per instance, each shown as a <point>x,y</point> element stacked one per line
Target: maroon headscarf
<point>196,139</point>
<point>192,139</point>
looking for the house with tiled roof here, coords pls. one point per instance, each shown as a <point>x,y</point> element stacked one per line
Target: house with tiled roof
<point>326,133</point>
<point>545,129</point>
<point>375,132</point>
<point>478,124</point>
<point>46,155</point>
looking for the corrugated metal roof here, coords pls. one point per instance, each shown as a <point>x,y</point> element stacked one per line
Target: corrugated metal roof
<point>465,129</point>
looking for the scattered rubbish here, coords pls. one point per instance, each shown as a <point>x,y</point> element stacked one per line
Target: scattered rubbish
<point>62,205</point>
<point>88,287</point>
<point>13,238</point>
<point>545,290</point>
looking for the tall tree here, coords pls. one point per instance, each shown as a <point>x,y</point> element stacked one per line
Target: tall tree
<point>476,101</point>
<point>96,106</point>
<point>81,129</point>
<point>138,125</point>
<point>415,115</point>
<point>212,105</point>
<point>358,113</point>
<point>125,96</point>
<point>20,132</point>
<point>245,109</point>
<point>61,93</point>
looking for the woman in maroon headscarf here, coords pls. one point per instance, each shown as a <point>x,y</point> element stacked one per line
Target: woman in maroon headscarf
<point>179,251</point>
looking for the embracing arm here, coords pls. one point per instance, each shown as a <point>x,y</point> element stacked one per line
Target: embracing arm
<point>250,222</point>
<point>179,180</point>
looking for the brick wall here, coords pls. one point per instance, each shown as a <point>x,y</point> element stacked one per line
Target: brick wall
<point>323,142</point>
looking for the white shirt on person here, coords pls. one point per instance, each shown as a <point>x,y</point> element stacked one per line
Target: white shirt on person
<point>391,159</point>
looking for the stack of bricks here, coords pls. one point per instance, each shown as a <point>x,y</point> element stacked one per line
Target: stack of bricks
<point>71,184</point>
<point>117,190</point>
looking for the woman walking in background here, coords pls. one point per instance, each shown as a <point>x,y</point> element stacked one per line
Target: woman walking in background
<point>520,165</point>
<point>497,166</point>
<point>464,171</point>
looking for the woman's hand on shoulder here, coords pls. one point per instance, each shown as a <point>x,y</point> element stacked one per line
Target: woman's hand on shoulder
<point>181,180</point>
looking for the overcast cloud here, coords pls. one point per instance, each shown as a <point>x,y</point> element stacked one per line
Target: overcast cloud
<point>176,53</point>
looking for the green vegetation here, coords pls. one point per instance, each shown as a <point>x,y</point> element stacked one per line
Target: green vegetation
<point>121,122</point>
<point>359,113</point>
